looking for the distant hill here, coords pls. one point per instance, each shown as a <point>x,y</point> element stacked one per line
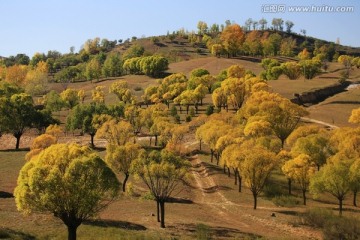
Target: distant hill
<point>180,48</point>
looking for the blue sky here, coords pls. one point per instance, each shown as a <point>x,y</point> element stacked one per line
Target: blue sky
<point>41,25</point>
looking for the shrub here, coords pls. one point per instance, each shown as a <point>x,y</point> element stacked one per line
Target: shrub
<point>285,201</point>
<point>137,89</point>
<point>341,228</point>
<point>192,112</point>
<point>203,232</point>
<point>188,118</point>
<point>209,110</point>
<point>272,190</point>
<point>173,111</point>
<point>177,118</point>
<point>317,217</point>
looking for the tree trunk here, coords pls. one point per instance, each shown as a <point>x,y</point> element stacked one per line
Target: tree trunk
<point>124,183</point>
<point>187,109</point>
<point>150,140</point>
<point>255,200</point>
<point>236,177</point>
<point>304,195</point>
<point>240,180</point>
<point>224,168</point>
<point>158,210</point>
<point>162,210</point>
<point>340,206</point>
<point>212,155</point>
<point>17,136</point>
<point>354,199</point>
<point>200,144</point>
<point>92,140</point>
<point>156,140</point>
<point>282,143</point>
<point>71,232</point>
<point>217,156</point>
<point>289,185</point>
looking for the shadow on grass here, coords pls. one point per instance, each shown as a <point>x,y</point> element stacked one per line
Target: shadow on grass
<point>286,212</point>
<point>343,102</point>
<point>215,232</point>
<point>16,150</point>
<point>179,200</point>
<point>6,195</point>
<point>6,233</point>
<point>117,224</point>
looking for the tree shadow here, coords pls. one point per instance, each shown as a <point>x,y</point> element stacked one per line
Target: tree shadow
<point>179,200</point>
<point>6,233</point>
<point>287,212</point>
<point>117,224</point>
<point>215,232</point>
<point>15,150</point>
<point>6,195</point>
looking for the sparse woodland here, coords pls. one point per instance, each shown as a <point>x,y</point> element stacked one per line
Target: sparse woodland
<point>146,141</point>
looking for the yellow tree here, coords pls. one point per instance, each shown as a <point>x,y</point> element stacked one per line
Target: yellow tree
<point>232,157</point>
<point>256,168</point>
<point>283,115</point>
<point>70,97</point>
<point>81,95</point>
<point>68,181</point>
<point>121,90</point>
<point>115,132</point>
<point>232,38</point>
<point>300,169</point>
<point>36,81</point>
<point>40,143</point>
<point>162,172</point>
<point>121,157</point>
<point>16,74</point>
<point>98,95</point>
<point>355,116</point>
<point>316,146</point>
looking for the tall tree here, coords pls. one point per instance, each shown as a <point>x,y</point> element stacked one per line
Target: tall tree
<point>161,172</point>
<point>68,181</point>
<point>300,169</point>
<point>17,114</point>
<point>256,168</point>
<point>121,157</point>
<point>333,178</point>
<point>232,37</point>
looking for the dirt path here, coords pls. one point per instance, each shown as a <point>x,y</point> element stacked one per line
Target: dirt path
<point>319,122</point>
<point>236,215</point>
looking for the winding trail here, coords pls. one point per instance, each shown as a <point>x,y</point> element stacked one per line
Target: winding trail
<point>233,214</point>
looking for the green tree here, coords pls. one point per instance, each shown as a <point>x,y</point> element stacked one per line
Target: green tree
<point>68,181</point>
<point>161,172</point>
<point>112,66</point>
<point>17,114</point>
<point>82,117</point>
<point>333,178</point>
<point>93,69</point>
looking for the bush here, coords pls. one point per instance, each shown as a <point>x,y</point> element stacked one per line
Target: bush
<point>285,201</point>
<point>192,112</point>
<point>333,226</point>
<point>177,118</point>
<point>173,111</point>
<point>137,89</point>
<point>188,118</point>
<point>209,110</point>
<point>203,232</point>
<point>272,190</point>
<point>341,228</point>
<point>148,196</point>
<point>317,217</point>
